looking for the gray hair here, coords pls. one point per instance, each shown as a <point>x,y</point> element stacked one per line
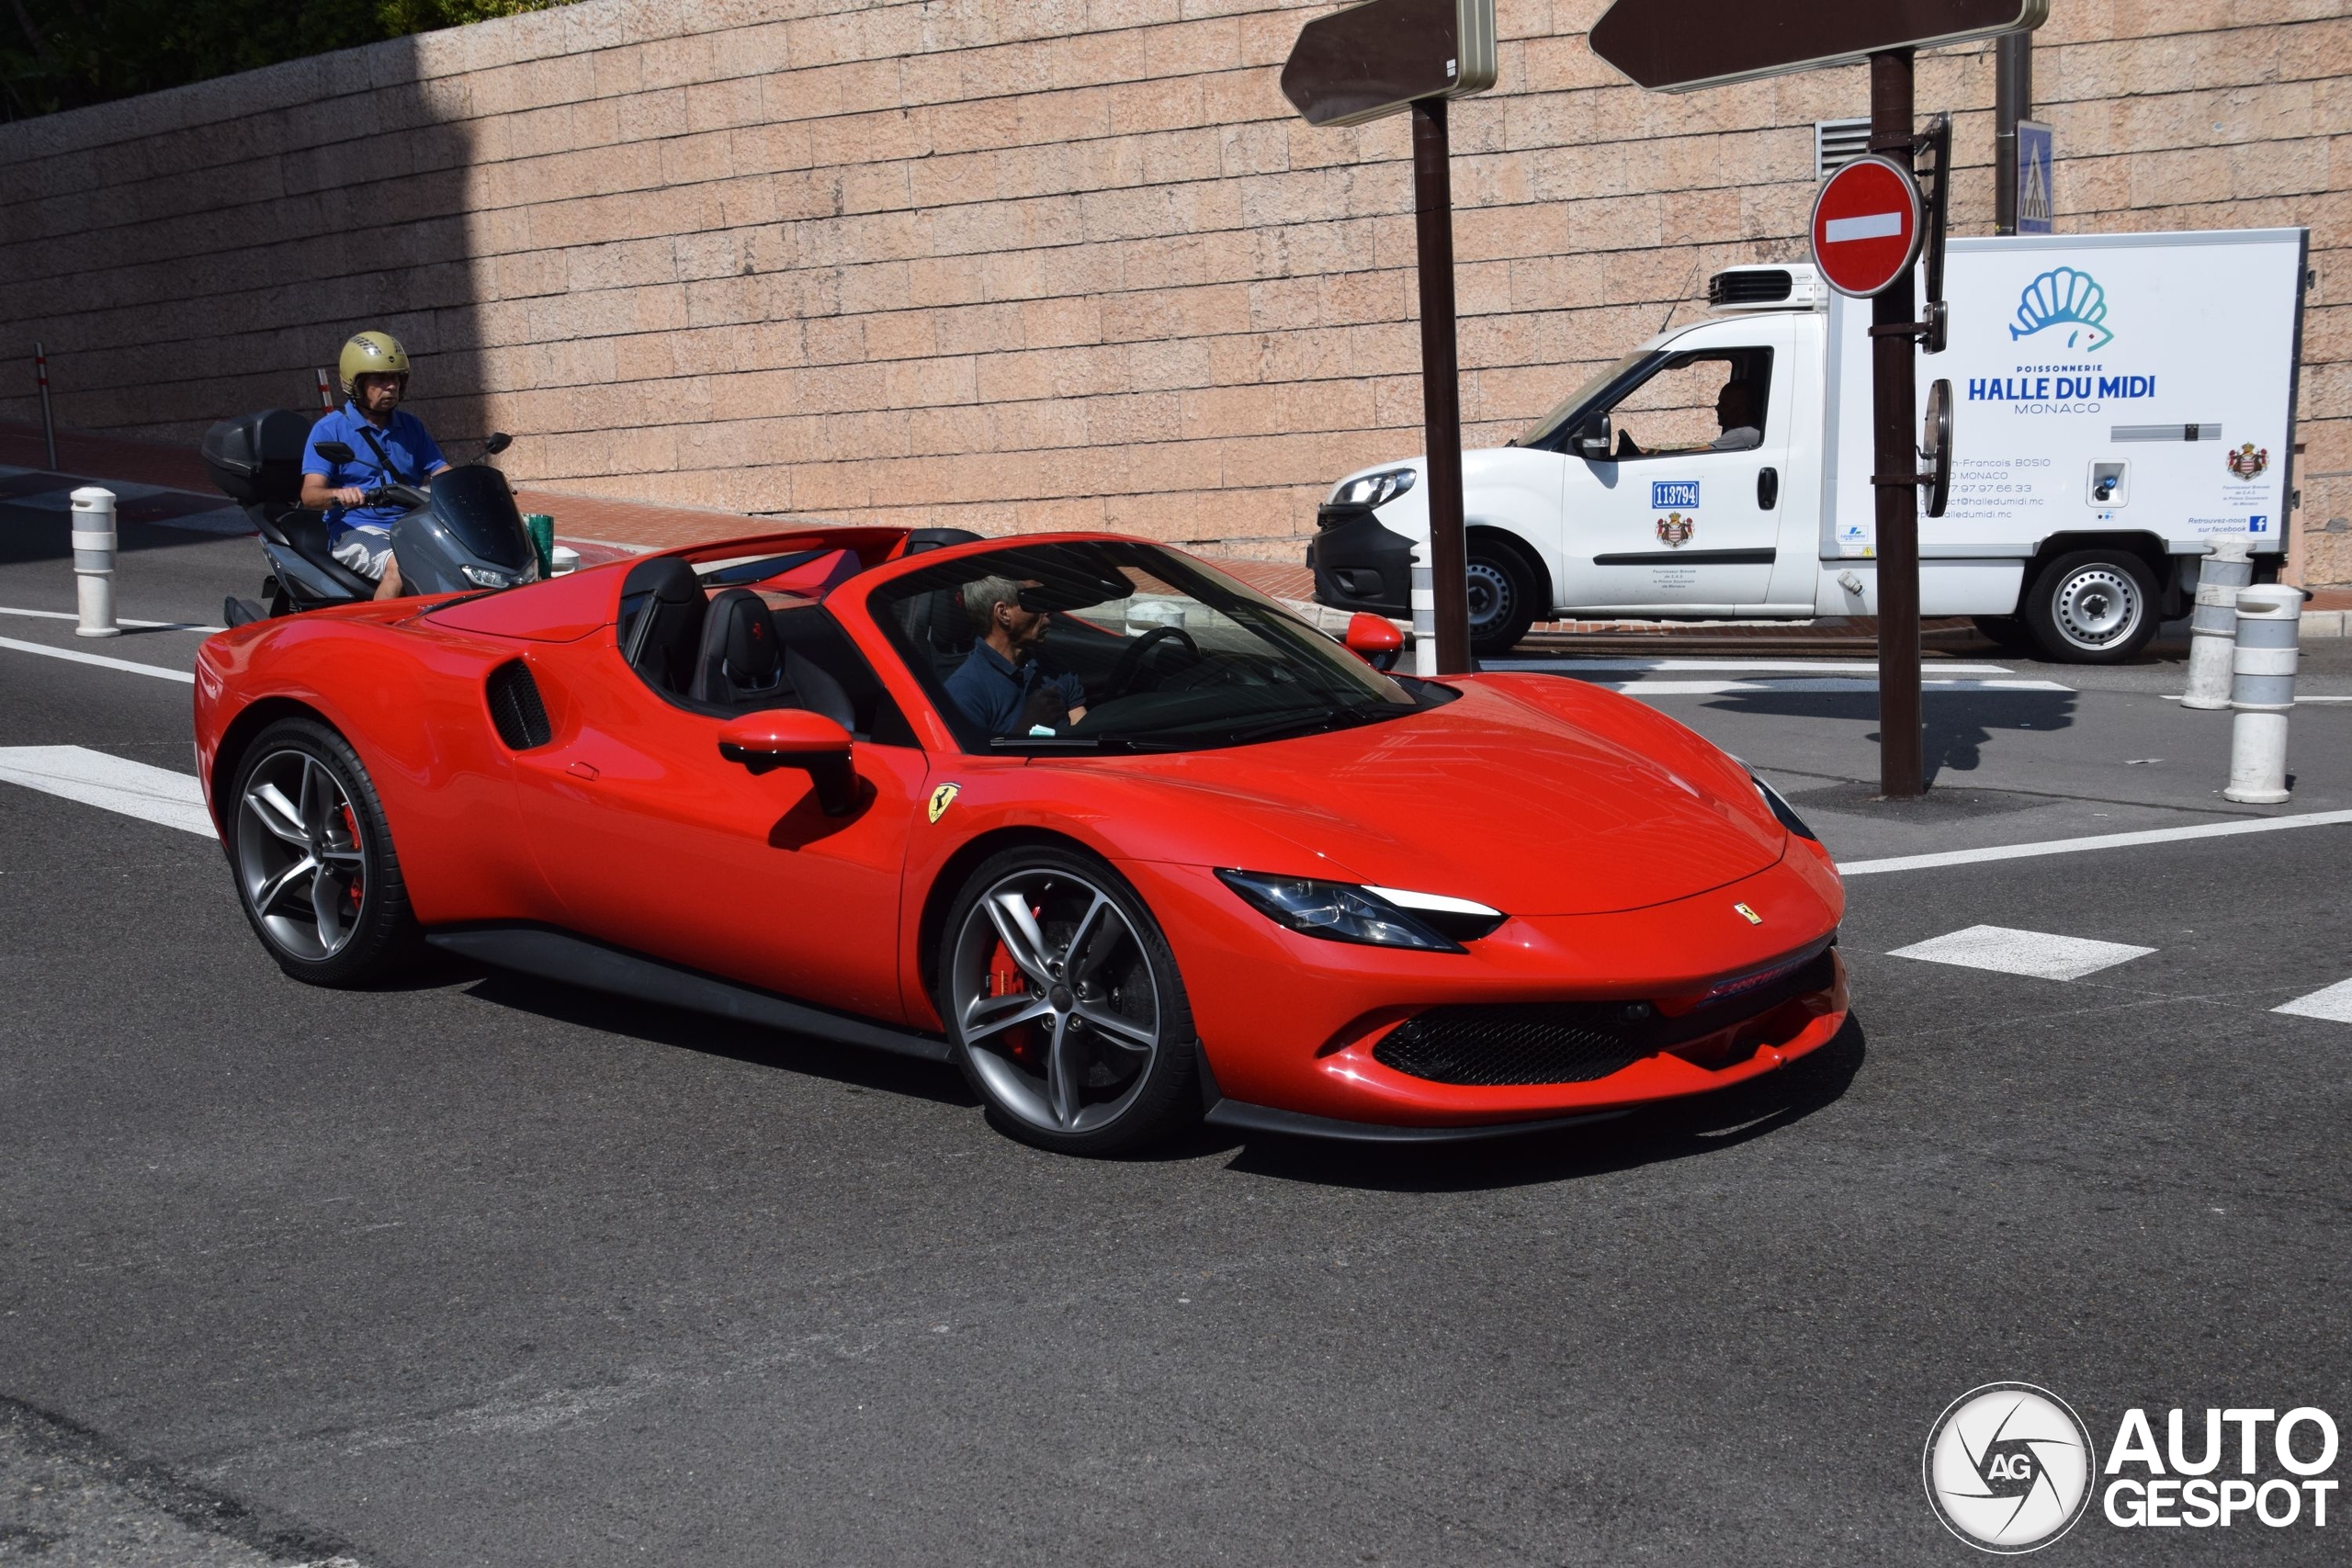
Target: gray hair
<point>981,598</point>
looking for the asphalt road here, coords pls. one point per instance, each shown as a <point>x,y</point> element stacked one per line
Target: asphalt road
<point>485,1271</point>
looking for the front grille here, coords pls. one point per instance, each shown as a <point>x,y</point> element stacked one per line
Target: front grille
<point>516,708</point>
<point>1490,1045</point>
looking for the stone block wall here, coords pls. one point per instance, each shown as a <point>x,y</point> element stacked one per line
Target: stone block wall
<point>1028,264</point>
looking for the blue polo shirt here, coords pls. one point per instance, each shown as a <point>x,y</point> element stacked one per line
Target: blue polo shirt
<point>994,691</point>
<point>414,456</point>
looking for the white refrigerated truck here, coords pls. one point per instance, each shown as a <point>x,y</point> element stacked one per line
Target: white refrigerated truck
<point>2121,402</point>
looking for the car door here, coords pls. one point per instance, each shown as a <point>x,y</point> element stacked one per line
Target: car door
<point>652,841</point>
<point>1682,514</point>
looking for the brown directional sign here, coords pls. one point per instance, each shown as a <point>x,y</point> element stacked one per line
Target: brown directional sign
<point>1674,46</point>
<point>1377,58</point>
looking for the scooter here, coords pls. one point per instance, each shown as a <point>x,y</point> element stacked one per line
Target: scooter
<point>460,534</point>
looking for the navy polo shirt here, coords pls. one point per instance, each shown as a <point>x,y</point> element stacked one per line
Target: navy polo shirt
<point>994,691</point>
<point>413,452</point>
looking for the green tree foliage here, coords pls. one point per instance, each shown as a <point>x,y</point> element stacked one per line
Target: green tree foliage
<point>61,55</point>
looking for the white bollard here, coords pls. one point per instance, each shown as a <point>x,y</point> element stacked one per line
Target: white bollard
<point>2269,616</point>
<point>2213,628</point>
<point>94,562</point>
<point>1424,622</point>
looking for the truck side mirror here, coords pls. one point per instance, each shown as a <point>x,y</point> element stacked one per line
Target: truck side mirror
<point>1594,439</point>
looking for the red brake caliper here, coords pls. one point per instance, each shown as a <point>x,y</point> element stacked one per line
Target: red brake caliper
<point>355,888</point>
<point>1005,979</point>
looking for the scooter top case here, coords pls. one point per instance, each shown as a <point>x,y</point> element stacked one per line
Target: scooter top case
<point>256,460</point>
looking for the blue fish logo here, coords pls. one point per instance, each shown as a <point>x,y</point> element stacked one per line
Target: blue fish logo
<point>2065,300</point>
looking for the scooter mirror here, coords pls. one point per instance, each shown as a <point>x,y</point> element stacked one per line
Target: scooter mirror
<point>334,451</point>
<point>499,442</point>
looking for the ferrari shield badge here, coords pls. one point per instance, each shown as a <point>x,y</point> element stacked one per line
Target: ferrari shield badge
<point>942,798</point>
<point>1750,916</point>
<point>1674,530</point>
<point>2249,460</point>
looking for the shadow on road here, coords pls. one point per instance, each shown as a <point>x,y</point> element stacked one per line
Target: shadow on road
<point>1958,725</point>
<point>1678,1130</point>
<point>752,1043</point>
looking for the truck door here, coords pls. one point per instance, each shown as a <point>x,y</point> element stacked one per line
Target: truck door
<point>1682,512</point>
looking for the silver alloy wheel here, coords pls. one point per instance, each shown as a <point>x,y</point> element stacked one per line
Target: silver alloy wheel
<point>2097,606</point>
<point>299,854</point>
<point>1489,595</point>
<point>1055,1000</point>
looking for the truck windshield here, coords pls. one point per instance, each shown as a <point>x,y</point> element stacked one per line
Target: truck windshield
<point>1545,429</point>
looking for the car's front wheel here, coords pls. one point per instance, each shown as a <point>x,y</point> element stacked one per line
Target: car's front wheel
<point>1065,1006</point>
<point>313,859</point>
<point>1502,597</point>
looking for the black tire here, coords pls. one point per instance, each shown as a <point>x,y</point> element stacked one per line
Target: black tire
<point>1502,596</point>
<point>2009,633</point>
<point>1115,1103</point>
<point>2093,607</point>
<point>374,934</point>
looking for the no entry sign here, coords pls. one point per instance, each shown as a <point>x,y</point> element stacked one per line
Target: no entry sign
<point>1866,227</point>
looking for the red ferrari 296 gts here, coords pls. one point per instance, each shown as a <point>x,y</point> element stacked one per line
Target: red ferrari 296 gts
<point>1166,853</point>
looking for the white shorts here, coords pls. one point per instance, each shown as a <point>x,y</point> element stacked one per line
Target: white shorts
<point>364,551</point>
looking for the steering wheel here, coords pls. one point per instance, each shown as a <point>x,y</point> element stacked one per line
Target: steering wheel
<point>1130,664</point>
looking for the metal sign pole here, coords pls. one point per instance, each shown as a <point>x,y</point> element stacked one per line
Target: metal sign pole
<point>47,423</point>
<point>1895,464</point>
<point>1441,384</point>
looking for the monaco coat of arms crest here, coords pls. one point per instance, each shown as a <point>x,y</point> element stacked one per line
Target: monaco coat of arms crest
<point>2249,460</point>
<point>1674,530</point>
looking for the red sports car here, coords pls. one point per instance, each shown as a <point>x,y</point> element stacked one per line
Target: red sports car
<point>1124,841</point>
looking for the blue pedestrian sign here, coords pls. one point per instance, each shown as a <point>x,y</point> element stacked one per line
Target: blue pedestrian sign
<point>2034,157</point>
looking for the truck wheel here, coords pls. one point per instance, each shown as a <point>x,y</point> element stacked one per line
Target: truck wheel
<point>1502,597</point>
<point>2093,607</point>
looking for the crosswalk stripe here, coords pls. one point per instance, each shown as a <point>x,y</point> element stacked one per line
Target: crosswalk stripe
<point>120,620</point>
<point>2334,1003</point>
<point>1822,684</point>
<point>94,778</point>
<point>2093,841</point>
<point>2039,955</point>
<point>74,656</point>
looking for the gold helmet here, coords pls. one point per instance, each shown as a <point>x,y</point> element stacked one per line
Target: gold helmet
<point>371,354</point>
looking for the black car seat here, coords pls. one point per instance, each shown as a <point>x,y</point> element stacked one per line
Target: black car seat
<point>662,632</point>
<point>742,664</point>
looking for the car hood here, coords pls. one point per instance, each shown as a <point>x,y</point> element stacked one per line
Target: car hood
<point>1498,796</point>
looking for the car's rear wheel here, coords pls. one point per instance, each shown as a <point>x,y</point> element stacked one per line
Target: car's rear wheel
<point>313,859</point>
<point>1502,597</point>
<point>1065,1005</point>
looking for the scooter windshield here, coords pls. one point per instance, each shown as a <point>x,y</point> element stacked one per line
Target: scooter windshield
<point>476,505</point>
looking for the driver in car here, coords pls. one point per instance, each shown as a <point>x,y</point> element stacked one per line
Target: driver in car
<point>389,447</point>
<point>1736,411</point>
<point>1001,686</point>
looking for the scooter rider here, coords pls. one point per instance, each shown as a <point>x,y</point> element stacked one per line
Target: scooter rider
<point>389,447</point>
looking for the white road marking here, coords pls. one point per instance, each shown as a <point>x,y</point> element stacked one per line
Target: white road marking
<point>2334,1004</point>
<point>94,778</point>
<point>1569,665</point>
<point>120,620</point>
<point>185,677</point>
<point>1872,226</point>
<point>2096,841</point>
<point>1831,683</point>
<point>2173,697</point>
<point>2011,952</point>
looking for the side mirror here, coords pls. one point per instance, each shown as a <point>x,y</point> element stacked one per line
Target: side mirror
<point>334,451</point>
<point>499,442</point>
<point>794,737</point>
<point>1374,640</point>
<point>1594,439</point>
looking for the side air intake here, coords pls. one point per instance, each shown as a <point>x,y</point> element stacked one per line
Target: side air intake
<point>516,708</point>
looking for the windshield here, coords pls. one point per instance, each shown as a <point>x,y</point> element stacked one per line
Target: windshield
<point>479,510</point>
<point>1118,646</point>
<point>1544,429</point>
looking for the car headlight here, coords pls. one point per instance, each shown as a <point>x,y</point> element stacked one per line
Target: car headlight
<point>1374,917</point>
<point>1782,809</point>
<point>483,577</point>
<point>1376,490</point>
